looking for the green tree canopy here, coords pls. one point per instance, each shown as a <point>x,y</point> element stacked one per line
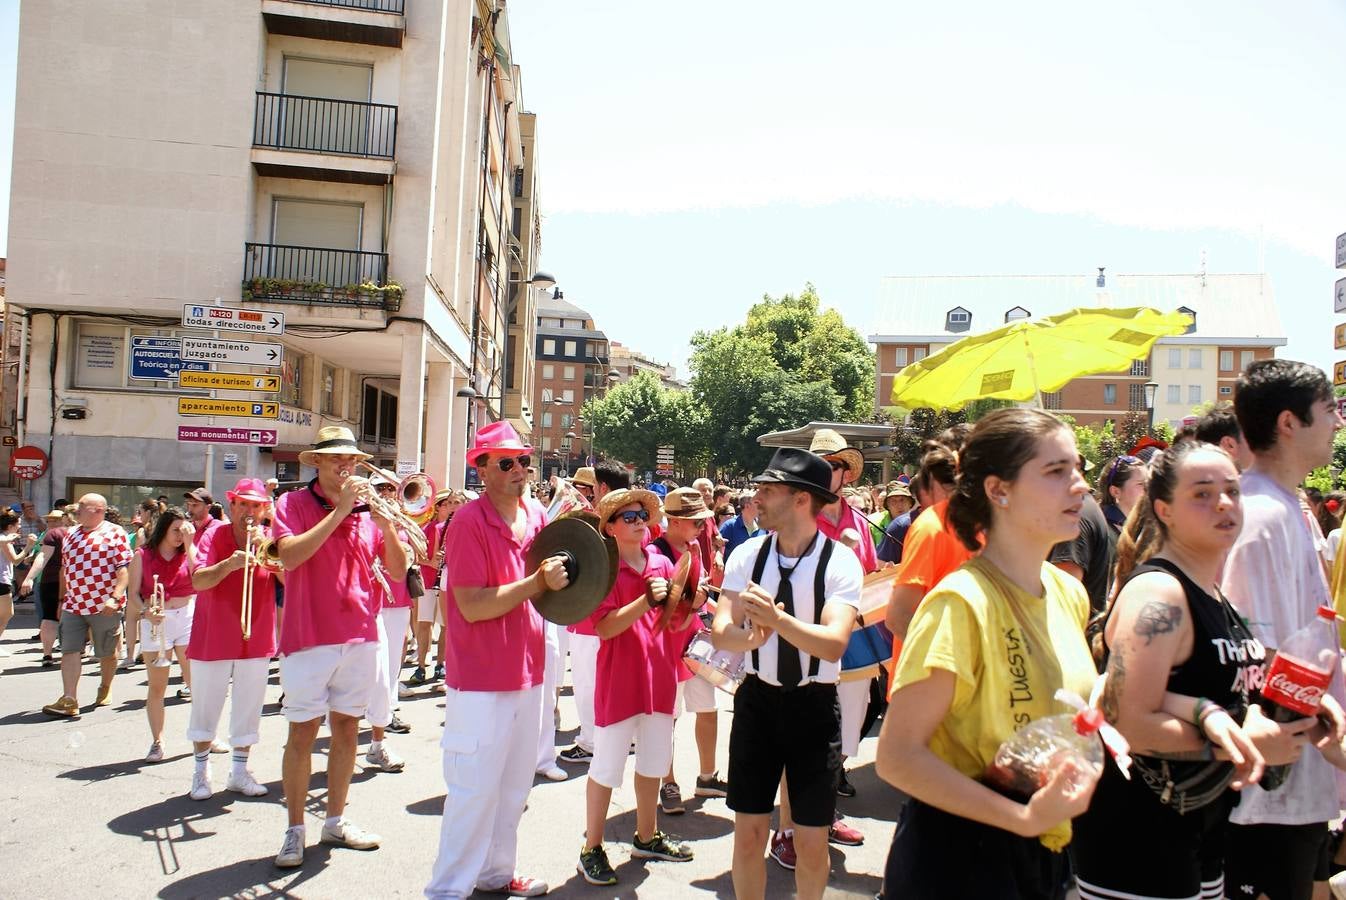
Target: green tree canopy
<point>635,418</point>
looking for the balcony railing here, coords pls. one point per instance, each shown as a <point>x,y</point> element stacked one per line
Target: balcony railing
<point>318,125</point>
<point>318,277</point>
<point>388,6</point>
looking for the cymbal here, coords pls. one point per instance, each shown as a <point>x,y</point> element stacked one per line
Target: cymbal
<point>590,561</point>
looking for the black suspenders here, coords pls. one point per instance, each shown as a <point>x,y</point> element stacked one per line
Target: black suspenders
<point>819,589</point>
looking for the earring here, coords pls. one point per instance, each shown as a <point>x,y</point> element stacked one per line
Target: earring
<point>1003,501</point>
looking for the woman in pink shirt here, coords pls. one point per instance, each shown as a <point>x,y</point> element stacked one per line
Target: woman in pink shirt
<point>636,685</point>
<point>166,560</point>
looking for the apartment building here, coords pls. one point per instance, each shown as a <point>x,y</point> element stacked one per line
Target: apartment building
<point>574,364</point>
<point>353,164</point>
<point>1235,322</point>
<point>627,361</point>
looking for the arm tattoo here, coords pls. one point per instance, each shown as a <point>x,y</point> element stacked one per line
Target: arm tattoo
<point>1110,702</point>
<point>1156,618</point>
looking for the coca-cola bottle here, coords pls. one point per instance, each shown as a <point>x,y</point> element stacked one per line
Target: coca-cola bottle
<point>1028,759</point>
<point>1297,678</point>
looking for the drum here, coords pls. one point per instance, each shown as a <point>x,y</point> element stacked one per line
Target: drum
<point>722,668</point>
<point>874,595</point>
<point>869,648</point>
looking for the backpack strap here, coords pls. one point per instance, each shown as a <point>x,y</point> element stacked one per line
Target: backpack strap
<point>758,568</point>
<point>664,547</point>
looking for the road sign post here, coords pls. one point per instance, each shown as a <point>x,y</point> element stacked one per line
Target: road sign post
<point>243,353</point>
<point>232,318</point>
<point>200,406</point>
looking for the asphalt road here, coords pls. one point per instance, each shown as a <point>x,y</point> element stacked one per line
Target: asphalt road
<point>81,814</point>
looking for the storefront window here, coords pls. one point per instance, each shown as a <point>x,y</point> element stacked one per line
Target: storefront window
<point>127,496</point>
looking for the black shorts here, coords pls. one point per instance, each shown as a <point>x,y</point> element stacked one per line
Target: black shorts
<point>937,855</point>
<point>796,731</point>
<point>6,589</point>
<point>1281,861</point>
<point>51,600</point>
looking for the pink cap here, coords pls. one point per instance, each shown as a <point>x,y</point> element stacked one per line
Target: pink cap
<point>249,489</point>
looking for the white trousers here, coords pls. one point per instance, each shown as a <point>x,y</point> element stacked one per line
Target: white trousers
<point>490,745</point>
<point>392,631</point>
<point>552,674</point>
<point>583,674</point>
<point>210,685</point>
<point>854,699</point>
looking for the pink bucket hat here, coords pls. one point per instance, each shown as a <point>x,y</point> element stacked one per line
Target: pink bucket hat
<point>497,437</point>
<point>249,489</point>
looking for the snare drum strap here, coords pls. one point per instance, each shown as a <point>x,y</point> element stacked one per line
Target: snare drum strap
<point>819,589</point>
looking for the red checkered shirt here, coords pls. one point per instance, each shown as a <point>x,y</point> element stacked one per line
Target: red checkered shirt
<point>90,560</point>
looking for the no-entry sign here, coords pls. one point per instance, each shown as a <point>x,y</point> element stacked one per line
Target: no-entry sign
<point>28,463</point>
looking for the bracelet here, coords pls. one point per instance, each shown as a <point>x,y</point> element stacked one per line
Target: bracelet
<point>1199,709</point>
<point>1206,713</point>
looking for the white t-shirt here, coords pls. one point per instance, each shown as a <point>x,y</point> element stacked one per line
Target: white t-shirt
<point>841,584</point>
<point>1275,581</point>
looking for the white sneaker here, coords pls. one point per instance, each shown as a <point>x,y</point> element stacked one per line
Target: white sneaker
<point>553,773</point>
<point>245,784</point>
<point>404,692</point>
<point>219,746</point>
<point>348,834</point>
<point>291,853</point>
<point>201,786</point>
<point>1337,884</point>
<point>385,759</point>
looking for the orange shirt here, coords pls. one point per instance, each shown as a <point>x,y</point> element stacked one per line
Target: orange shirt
<point>931,550</point>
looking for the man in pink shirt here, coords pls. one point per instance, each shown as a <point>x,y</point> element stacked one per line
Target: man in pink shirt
<point>329,643</point>
<point>493,672</point>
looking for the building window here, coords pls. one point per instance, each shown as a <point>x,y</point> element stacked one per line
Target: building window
<point>1194,394</point>
<point>1052,400</point>
<point>566,419</point>
<point>1135,396</point>
<point>1140,368</point>
<point>570,348</point>
<point>330,391</point>
<point>1226,390</point>
<point>546,443</point>
<point>568,373</point>
<point>1191,312</point>
<point>549,347</point>
<point>1226,360</point>
<point>101,358</point>
<point>549,371</point>
<point>378,423</point>
<point>1193,359</point>
<point>1110,394</point>
<point>899,356</point>
<point>546,420</point>
<point>1174,393</point>
<point>957,319</point>
<point>918,353</point>
<point>1175,357</point>
<point>1016,314</point>
<point>567,396</point>
<point>292,379</point>
<point>1246,357</point>
<point>511,348</point>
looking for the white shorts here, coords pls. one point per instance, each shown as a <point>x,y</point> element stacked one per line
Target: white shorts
<point>244,681</point>
<point>653,734</point>
<point>176,630</point>
<point>695,695</point>
<point>428,608</point>
<point>333,678</point>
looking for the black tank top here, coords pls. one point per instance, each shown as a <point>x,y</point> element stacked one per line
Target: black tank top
<point>1226,661</point>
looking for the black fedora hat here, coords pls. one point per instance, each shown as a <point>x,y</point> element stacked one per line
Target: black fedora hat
<point>801,469</point>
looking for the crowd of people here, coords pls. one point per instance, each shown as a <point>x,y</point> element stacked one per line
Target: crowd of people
<point>1157,588</point>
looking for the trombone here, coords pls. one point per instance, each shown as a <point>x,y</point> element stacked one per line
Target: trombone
<point>397,513</point>
<point>252,552</point>
<point>156,608</point>
<point>415,493</point>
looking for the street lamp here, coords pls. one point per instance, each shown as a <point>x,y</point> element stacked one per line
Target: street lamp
<point>1150,389</point>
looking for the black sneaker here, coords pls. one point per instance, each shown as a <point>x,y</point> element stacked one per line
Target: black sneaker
<point>439,674</point>
<point>670,799</point>
<point>660,846</point>
<point>595,868</point>
<point>397,726</point>
<point>47,661</point>
<point>711,787</point>
<point>575,754</point>
<point>417,677</point>
<point>844,786</point>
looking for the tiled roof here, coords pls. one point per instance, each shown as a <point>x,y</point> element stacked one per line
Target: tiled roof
<point>1226,306</point>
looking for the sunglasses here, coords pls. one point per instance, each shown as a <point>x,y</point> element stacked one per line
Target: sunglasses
<point>631,516</point>
<point>1121,460</point>
<point>508,462</point>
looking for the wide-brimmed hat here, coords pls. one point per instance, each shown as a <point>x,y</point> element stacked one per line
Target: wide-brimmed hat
<point>897,490</point>
<point>585,475</point>
<point>333,440</point>
<point>249,489</point>
<point>686,503</point>
<point>830,445</point>
<point>496,437</point>
<point>800,469</point>
<point>615,500</point>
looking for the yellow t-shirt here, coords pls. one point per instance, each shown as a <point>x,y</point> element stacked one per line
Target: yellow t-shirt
<point>1009,652</point>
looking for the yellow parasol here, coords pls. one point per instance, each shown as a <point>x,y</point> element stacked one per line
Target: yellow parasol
<point>1022,360</point>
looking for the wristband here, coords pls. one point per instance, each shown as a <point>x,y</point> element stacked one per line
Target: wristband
<point>1197,711</point>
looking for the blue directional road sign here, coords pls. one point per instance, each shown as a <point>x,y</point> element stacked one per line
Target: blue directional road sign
<point>160,359</point>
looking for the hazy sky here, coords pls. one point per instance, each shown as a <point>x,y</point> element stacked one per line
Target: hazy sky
<point>697,155</point>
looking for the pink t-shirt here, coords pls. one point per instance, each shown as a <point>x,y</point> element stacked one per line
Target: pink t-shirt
<point>852,518</point>
<point>434,534</point>
<point>397,596</point>
<point>217,630</point>
<point>332,598</point>
<point>174,574</point>
<point>637,669</point>
<point>507,653</point>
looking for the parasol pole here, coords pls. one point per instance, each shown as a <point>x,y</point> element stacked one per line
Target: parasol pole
<point>1032,369</point>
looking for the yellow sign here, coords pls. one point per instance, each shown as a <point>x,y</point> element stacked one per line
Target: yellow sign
<point>191,406</point>
<point>1339,374</point>
<point>229,381</point>
<point>1339,337</point>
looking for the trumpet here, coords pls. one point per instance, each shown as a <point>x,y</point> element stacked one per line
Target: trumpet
<point>396,512</point>
<point>415,493</point>
<point>156,608</point>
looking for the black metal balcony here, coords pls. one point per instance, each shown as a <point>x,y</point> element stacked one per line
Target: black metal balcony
<point>388,6</point>
<point>319,125</point>
<point>315,276</point>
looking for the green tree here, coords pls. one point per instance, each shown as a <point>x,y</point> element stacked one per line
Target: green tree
<point>632,420</point>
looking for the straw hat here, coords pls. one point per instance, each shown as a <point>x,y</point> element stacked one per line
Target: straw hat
<point>333,440</point>
<point>686,503</point>
<point>585,475</point>
<point>830,445</point>
<point>615,500</point>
